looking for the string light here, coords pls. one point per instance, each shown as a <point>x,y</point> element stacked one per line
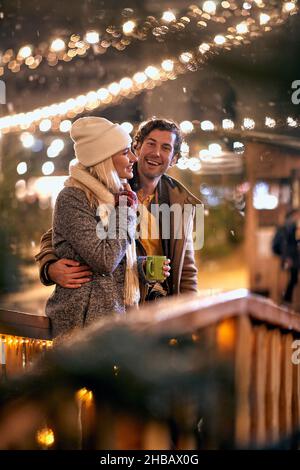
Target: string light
<point>227,124</point>
<point>209,7</point>
<point>259,3</point>
<point>45,125</point>
<point>186,127</point>
<point>182,163</point>
<point>204,47</point>
<point>186,57</point>
<point>238,147</point>
<point>264,18</point>
<point>48,168</point>
<point>242,28</point>
<point>15,340</point>
<point>168,65</point>
<point>184,149</point>
<point>92,37</point>
<point>140,77</point>
<point>57,45</point>
<point>127,126</point>
<point>291,122</point>
<point>168,16</point>
<point>288,7</point>
<point>205,154</point>
<point>55,148</point>
<point>194,164</point>
<point>152,72</point>
<point>77,46</point>
<point>102,97</point>
<point>270,122</point>
<point>20,190</point>
<point>114,88</point>
<point>249,123</point>
<point>45,437</point>
<point>25,52</point>
<point>103,94</point>
<point>215,150</point>
<point>65,125</point>
<point>84,395</point>
<point>207,126</point>
<point>27,139</point>
<point>22,168</point>
<point>129,27</point>
<point>173,342</point>
<point>126,83</point>
<point>219,39</point>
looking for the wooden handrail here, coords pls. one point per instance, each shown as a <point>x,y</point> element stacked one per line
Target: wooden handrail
<point>174,312</point>
<point>252,335</point>
<point>24,325</point>
<point>187,312</point>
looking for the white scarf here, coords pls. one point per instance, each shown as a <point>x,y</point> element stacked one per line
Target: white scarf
<point>106,198</point>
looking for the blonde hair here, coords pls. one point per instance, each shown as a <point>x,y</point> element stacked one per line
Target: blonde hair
<point>106,173</point>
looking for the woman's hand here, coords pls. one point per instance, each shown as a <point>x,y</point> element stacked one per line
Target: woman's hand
<point>131,198</point>
<point>166,268</point>
<point>132,195</point>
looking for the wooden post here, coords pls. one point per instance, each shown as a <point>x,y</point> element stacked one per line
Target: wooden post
<point>273,384</point>
<point>296,395</point>
<point>260,382</point>
<point>242,381</point>
<point>286,385</point>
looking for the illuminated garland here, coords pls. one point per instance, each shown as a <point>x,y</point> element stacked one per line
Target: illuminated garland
<point>10,340</point>
<point>227,128</point>
<point>247,124</point>
<point>120,37</point>
<point>114,36</point>
<point>186,126</point>
<point>148,78</point>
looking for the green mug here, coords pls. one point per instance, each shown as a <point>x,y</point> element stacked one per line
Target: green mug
<point>154,268</point>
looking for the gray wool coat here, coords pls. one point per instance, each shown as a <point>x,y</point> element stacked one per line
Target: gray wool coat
<point>74,237</point>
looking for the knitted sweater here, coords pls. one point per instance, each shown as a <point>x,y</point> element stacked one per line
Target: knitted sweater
<point>74,237</point>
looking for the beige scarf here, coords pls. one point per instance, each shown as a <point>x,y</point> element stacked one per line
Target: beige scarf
<point>106,201</point>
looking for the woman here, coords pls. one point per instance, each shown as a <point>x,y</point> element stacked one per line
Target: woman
<point>92,225</point>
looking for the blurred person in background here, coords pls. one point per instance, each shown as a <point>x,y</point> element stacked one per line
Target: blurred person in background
<point>286,245</point>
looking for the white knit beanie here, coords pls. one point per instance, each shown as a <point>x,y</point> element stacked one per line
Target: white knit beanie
<point>96,139</point>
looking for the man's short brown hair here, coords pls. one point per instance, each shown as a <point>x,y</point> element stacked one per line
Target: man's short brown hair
<point>162,125</point>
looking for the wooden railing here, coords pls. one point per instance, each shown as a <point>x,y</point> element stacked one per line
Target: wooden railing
<point>257,337</point>
<point>246,343</point>
<point>23,337</point>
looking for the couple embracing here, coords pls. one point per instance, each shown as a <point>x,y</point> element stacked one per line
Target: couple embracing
<point>95,275</point>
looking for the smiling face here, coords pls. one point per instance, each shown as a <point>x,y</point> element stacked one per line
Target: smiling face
<point>123,162</point>
<point>156,153</point>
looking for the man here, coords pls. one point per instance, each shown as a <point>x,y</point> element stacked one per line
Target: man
<point>157,146</point>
